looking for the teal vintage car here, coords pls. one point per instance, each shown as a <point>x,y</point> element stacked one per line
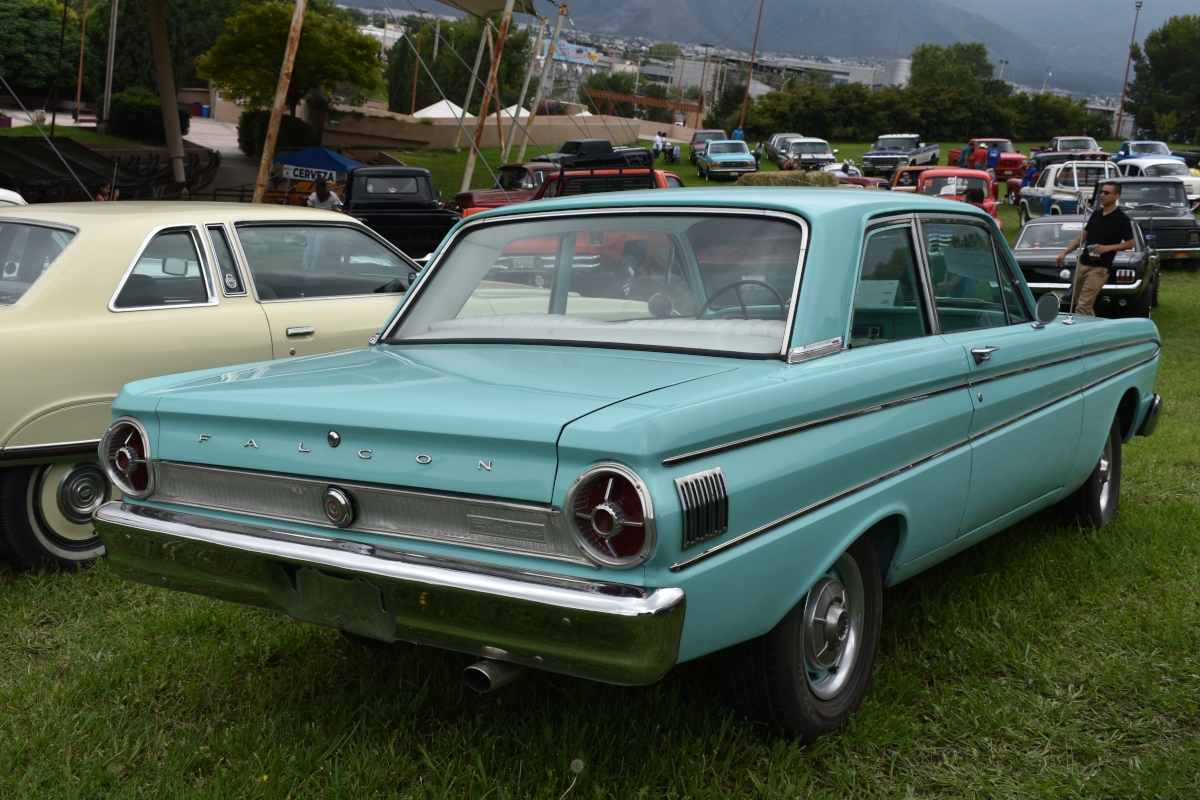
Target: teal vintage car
<point>731,158</point>
<point>617,432</point>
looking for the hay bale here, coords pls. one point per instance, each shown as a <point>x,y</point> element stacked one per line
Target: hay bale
<point>789,178</point>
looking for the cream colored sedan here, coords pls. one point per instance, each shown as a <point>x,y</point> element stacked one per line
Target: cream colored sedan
<point>95,295</point>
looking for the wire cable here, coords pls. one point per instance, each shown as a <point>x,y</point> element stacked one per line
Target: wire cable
<point>8,89</point>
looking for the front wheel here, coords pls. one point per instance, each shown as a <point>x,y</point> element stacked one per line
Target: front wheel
<point>46,514</point>
<point>1094,504</point>
<point>811,671</point>
<point>1023,214</point>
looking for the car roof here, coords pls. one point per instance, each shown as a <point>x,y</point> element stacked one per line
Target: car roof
<point>941,172</point>
<point>810,202</point>
<point>397,172</point>
<point>166,212</point>
<point>1143,179</point>
<point>1146,161</point>
<point>808,139</point>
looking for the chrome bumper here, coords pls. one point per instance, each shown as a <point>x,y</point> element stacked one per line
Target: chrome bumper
<point>590,629</point>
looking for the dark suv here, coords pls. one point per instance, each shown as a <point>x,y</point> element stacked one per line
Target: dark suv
<point>1160,206</point>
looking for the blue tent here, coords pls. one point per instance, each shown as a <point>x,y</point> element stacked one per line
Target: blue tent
<point>318,158</point>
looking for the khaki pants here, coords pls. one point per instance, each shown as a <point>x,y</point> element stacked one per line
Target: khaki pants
<point>1088,283</point>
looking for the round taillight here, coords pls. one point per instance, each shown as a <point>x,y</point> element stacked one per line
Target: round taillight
<point>611,516</point>
<point>125,454</point>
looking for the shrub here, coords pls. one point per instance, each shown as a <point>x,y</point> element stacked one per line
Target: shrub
<point>791,178</point>
<point>252,132</point>
<point>136,113</point>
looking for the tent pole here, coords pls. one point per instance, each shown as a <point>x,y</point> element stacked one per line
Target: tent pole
<point>512,132</point>
<point>541,87</point>
<point>112,51</point>
<point>495,90</point>
<point>471,84</point>
<point>82,40</point>
<point>501,35</point>
<point>281,90</point>
<point>157,17</point>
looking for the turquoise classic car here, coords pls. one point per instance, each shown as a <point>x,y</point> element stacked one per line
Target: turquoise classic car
<point>617,432</point>
<point>731,158</point>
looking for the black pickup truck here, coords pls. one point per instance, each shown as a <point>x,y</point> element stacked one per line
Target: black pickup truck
<point>597,152</point>
<point>401,205</point>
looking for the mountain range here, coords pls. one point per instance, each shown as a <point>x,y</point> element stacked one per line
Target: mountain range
<point>1083,43</point>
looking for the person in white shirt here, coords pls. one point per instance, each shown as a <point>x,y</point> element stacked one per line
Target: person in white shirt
<point>323,198</point>
<point>658,145</point>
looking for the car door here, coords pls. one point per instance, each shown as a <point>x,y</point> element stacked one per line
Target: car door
<point>1024,381</point>
<point>323,286</point>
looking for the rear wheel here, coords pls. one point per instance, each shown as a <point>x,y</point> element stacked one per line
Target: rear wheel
<point>1141,307</point>
<point>1094,504</point>
<point>46,514</point>
<point>1023,214</point>
<point>811,671</point>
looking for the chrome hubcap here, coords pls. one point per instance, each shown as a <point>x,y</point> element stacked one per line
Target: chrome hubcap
<point>82,491</point>
<point>833,624</point>
<point>1105,469</point>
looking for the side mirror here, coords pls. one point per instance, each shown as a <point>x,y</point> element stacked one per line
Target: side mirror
<point>835,151</point>
<point>920,144</point>
<point>438,194</point>
<point>1150,241</point>
<point>175,267</point>
<point>1047,309</point>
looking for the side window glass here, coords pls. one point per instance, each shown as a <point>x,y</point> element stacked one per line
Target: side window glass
<point>168,272</point>
<point>1045,176</point>
<point>289,262</point>
<point>231,279</point>
<point>1012,298</point>
<point>966,281</point>
<point>887,300</point>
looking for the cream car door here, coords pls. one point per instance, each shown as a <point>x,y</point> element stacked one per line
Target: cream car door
<point>323,286</point>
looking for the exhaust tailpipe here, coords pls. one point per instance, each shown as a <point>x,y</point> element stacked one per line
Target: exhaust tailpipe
<point>488,674</point>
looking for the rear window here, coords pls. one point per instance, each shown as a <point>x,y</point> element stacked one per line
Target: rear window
<point>26,251</point>
<point>392,185</point>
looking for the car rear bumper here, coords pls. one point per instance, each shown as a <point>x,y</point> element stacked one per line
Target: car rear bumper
<point>607,632</point>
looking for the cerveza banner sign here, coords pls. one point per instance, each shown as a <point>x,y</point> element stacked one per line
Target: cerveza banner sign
<point>308,173</point>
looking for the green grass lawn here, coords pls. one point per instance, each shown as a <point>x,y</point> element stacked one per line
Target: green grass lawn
<point>78,134</point>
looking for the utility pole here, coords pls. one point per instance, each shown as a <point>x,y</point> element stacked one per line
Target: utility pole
<point>82,39</point>
<point>417,63</point>
<point>471,84</point>
<point>1003,64</point>
<point>501,36</point>
<point>703,73</point>
<point>1045,80</point>
<point>281,90</point>
<point>165,78</point>
<point>516,123</point>
<point>546,65</point>
<point>112,52</point>
<point>1137,9</point>
<point>750,73</point>
<point>62,39</point>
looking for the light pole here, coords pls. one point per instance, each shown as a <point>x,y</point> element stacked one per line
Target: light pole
<point>417,63</point>
<point>1003,64</point>
<point>750,72</point>
<point>1045,80</point>
<point>703,71</point>
<point>1137,9</point>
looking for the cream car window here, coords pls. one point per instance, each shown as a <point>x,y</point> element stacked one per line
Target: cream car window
<point>168,272</point>
<point>25,253</point>
<point>231,277</point>
<point>290,262</point>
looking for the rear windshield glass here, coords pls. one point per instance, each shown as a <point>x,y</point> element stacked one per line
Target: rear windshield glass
<point>1167,194</point>
<point>896,143</point>
<point>1166,170</point>
<point>728,147</point>
<point>676,282</point>
<point>973,189</point>
<point>392,185</point>
<point>1055,236</point>
<point>1149,148</point>
<point>809,148</point>
<point>26,251</point>
<point>708,136</point>
<point>1078,144</point>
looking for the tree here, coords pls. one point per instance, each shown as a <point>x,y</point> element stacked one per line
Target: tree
<point>668,51</point>
<point>963,64</point>
<point>29,34</point>
<point>1167,79</point>
<point>332,56</point>
<point>452,68</point>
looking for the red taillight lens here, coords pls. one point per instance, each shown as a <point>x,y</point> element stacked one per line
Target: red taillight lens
<point>611,517</point>
<point>125,451</point>
<point>1126,276</point>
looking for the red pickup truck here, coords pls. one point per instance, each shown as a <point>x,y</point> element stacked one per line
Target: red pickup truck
<point>558,183</point>
<point>964,185</point>
<point>1011,163</point>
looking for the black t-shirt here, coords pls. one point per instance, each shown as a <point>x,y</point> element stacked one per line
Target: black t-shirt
<point>1112,228</point>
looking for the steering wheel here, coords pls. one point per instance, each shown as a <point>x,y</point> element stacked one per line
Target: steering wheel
<point>737,287</point>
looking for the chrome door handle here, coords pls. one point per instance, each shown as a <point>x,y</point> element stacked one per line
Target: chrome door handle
<point>305,331</point>
<point>982,354</point>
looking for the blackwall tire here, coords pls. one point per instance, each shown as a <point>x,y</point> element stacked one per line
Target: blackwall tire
<point>785,681</point>
<point>1094,504</point>
<point>45,514</point>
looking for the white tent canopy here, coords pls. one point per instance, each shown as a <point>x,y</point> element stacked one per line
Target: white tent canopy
<point>514,111</point>
<point>583,112</point>
<point>442,109</point>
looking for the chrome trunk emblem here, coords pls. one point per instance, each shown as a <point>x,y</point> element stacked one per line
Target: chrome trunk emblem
<point>334,439</point>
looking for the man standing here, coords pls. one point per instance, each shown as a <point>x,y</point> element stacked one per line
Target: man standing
<point>1107,232</point>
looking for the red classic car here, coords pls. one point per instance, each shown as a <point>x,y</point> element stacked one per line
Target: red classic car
<point>1011,163</point>
<point>515,184</point>
<point>972,186</point>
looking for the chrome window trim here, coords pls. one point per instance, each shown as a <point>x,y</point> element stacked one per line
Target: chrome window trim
<point>61,226</point>
<point>471,223</point>
<point>819,504</point>
<point>910,221</point>
<point>736,444</point>
<point>216,263</point>
<point>355,225</point>
<point>28,453</point>
<point>192,229</point>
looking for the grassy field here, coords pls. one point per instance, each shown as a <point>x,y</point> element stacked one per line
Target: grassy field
<point>1044,662</point>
